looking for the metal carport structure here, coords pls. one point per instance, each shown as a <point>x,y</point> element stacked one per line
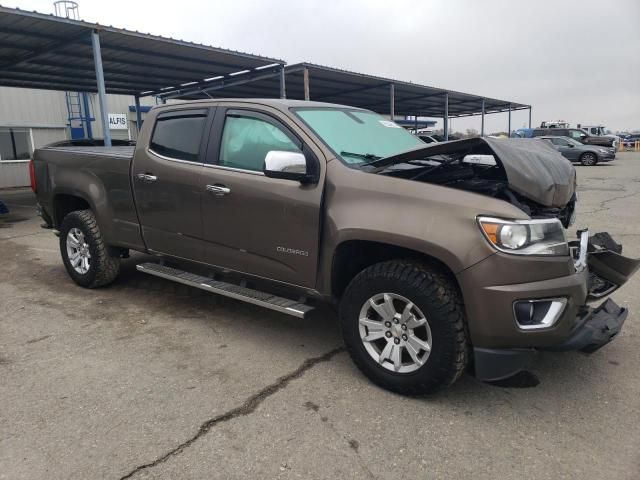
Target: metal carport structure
<point>47,52</point>
<point>386,96</point>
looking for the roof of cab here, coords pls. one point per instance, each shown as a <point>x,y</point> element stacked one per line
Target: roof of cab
<point>279,103</point>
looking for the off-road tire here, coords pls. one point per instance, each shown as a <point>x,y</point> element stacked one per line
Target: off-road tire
<point>104,266</point>
<point>436,295</point>
<point>588,159</point>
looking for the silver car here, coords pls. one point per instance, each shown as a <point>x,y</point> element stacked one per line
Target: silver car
<point>575,151</point>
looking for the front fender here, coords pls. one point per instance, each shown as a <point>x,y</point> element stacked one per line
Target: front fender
<point>433,220</point>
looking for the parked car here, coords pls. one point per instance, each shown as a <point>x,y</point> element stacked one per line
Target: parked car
<point>432,261</point>
<point>587,155</point>
<point>427,138</point>
<point>600,130</point>
<point>575,133</point>
<point>441,138</point>
<point>436,137</point>
<point>92,142</point>
<point>630,140</point>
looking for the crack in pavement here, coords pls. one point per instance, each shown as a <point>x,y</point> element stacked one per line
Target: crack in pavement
<point>248,407</point>
<point>601,207</point>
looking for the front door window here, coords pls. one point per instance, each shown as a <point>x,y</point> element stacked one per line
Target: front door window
<point>247,140</point>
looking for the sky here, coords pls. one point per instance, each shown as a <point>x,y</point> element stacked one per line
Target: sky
<point>575,60</point>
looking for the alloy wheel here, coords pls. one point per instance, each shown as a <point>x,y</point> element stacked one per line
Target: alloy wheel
<point>589,159</point>
<point>78,251</point>
<point>395,332</point>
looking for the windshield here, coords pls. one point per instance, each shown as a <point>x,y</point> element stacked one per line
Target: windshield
<point>357,136</point>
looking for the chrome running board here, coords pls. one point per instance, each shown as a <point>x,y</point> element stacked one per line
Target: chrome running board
<point>262,299</point>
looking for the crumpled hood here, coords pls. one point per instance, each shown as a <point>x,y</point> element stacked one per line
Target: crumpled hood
<point>534,169</point>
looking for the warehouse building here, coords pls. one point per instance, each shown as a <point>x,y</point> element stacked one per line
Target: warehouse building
<point>31,119</point>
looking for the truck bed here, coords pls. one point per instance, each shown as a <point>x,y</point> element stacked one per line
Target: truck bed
<point>101,176</point>
<point>120,152</point>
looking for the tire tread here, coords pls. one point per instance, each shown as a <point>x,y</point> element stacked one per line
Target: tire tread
<point>445,299</point>
<point>107,265</point>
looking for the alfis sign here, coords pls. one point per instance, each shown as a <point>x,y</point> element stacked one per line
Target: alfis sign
<point>118,121</point>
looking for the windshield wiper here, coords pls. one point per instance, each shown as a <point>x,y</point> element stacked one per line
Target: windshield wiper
<point>365,156</point>
<point>426,171</point>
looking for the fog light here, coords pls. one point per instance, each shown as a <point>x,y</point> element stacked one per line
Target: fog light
<point>533,314</point>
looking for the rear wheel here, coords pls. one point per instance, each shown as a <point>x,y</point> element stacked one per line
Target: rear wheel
<point>85,255</point>
<point>403,324</point>
<point>588,159</point>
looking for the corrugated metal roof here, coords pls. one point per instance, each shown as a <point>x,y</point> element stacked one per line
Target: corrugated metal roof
<point>49,52</point>
<point>327,84</point>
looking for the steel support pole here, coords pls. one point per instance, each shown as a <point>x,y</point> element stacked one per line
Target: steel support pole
<point>87,114</point>
<point>392,101</point>
<point>102,93</point>
<point>482,121</point>
<point>446,117</point>
<point>283,89</point>
<point>529,117</point>
<point>509,122</point>
<point>138,115</point>
<point>305,78</point>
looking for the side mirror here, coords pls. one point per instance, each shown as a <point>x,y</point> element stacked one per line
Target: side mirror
<point>287,165</point>
<point>571,145</point>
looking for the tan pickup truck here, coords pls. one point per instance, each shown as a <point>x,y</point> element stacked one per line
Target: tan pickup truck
<point>438,257</point>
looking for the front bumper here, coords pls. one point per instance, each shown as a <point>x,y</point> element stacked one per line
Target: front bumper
<point>596,327</point>
<point>501,346</point>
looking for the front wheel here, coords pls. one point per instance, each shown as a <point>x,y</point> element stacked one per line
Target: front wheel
<point>403,325</point>
<point>588,159</point>
<point>85,255</point>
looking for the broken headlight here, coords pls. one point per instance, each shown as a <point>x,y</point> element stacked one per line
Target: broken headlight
<point>525,237</point>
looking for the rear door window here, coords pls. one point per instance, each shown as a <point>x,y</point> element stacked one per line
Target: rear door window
<point>178,135</point>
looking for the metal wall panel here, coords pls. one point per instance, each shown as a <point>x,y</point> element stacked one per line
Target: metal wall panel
<point>44,136</point>
<point>20,107</point>
<point>14,174</point>
<point>31,108</point>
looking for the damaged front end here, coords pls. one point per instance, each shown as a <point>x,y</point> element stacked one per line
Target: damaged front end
<point>608,270</point>
<point>527,173</point>
<point>602,255</point>
<point>534,177</point>
<point>552,315</point>
<point>510,320</point>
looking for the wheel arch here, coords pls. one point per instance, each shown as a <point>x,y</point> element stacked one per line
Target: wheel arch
<point>65,202</point>
<point>352,256</point>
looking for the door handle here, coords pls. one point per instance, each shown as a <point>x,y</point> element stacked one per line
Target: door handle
<point>218,190</point>
<point>146,177</point>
